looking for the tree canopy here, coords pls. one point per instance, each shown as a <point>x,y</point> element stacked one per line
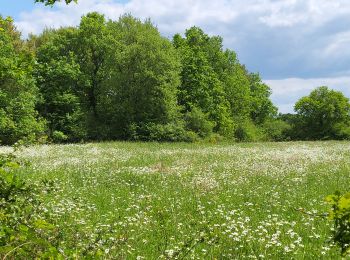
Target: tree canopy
<point>324,114</point>
<point>122,80</point>
<point>18,92</point>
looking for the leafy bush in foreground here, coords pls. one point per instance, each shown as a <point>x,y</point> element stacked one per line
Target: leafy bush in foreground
<point>340,214</point>
<point>22,235</point>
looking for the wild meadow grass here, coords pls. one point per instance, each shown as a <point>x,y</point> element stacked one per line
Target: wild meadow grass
<point>123,200</point>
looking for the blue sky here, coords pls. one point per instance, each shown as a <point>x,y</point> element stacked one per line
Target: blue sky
<point>295,45</point>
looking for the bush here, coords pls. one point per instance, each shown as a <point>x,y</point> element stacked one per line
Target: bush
<point>247,131</point>
<point>340,214</point>
<point>59,137</point>
<point>197,122</point>
<point>276,130</point>
<point>22,234</point>
<point>172,132</point>
<point>214,138</point>
<point>342,131</point>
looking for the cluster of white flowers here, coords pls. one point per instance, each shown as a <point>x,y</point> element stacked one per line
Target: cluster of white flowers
<point>196,201</point>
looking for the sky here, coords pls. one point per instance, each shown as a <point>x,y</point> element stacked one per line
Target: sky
<point>295,45</point>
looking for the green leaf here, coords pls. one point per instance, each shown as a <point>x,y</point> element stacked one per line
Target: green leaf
<point>42,224</point>
<point>23,228</point>
<point>344,203</point>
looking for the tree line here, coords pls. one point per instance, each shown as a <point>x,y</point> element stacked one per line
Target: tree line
<point>122,80</point>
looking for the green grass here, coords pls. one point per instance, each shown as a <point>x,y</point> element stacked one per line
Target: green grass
<point>191,201</point>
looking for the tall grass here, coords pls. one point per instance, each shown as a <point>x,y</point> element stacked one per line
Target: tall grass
<point>190,201</point>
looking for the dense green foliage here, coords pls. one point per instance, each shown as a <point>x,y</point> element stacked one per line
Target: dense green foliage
<point>139,93</point>
<point>23,232</point>
<point>108,80</point>
<point>340,215</point>
<point>121,80</point>
<point>18,92</point>
<point>200,86</point>
<point>215,83</point>
<point>324,114</point>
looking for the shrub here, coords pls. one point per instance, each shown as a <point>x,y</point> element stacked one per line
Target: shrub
<point>342,131</point>
<point>276,130</point>
<point>340,214</point>
<point>197,122</point>
<point>22,235</point>
<point>214,138</point>
<point>172,132</point>
<point>59,137</point>
<point>247,131</point>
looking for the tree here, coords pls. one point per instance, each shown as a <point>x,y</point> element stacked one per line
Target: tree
<point>91,51</point>
<point>121,79</point>
<point>200,87</point>
<point>215,82</point>
<point>70,71</point>
<point>262,108</point>
<point>236,86</point>
<point>18,117</point>
<point>324,114</point>
<point>52,2</point>
<point>108,80</point>
<point>58,76</point>
<point>139,90</point>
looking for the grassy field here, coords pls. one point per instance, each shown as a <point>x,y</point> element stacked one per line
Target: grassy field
<point>191,201</point>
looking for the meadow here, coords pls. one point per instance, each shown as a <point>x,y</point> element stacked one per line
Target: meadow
<point>122,200</point>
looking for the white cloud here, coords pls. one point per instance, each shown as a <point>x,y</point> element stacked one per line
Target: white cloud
<point>288,13</point>
<point>285,92</point>
<point>338,45</point>
<point>229,18</point>
<point>271,13</point>
<point>171,16</point>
